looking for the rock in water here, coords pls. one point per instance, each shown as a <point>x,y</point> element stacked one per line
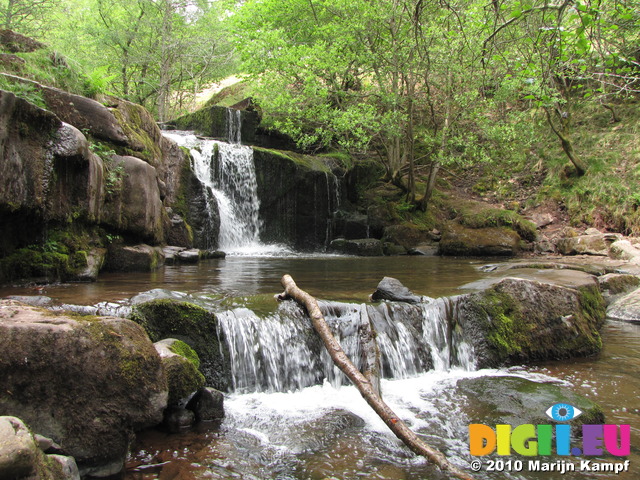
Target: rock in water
<point>392,289</point>
<point>87,383</point>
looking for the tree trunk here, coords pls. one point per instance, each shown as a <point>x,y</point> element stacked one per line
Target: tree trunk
<point>364,386</point>
<point>567,145</point>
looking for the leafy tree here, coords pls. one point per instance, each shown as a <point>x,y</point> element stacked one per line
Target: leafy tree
<point>26,16</point>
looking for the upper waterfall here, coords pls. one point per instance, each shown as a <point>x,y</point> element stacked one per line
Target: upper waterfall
<point>228,173</point>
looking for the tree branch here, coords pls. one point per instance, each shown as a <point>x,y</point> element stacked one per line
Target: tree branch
<point>364,386</point>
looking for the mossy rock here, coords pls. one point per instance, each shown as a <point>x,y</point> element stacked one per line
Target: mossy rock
<point>195,326</point>
<point>463,241</point>
<point>180,363</point>
<point>522,321</point>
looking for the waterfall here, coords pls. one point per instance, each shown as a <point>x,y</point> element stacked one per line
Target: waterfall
<point>281,352</point>
<point>228,172</point>
<point>234,126</point>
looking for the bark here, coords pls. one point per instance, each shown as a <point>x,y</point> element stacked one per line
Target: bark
<point>567,145</point>
<point>364,386</point>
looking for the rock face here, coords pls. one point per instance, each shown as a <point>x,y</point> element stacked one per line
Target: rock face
<point>298,195</point>
<point>219,122</point>
<point>86,384</point>
<point>519,321</point>
<point>463,241</point>
<point>195,326</point>
<point>134,204</point>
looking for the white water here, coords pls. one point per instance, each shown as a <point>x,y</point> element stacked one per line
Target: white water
<point>228,172</point>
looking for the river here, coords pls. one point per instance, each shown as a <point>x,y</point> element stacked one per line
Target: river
<point>328,432</point>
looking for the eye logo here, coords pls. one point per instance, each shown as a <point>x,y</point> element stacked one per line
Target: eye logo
<point>563,412</point>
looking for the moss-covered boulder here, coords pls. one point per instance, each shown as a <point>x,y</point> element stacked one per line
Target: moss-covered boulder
<point>516,401</point>
<point>520,321</point>
<point>180,363</point>
<point>464,241</point>
<point>87,383</point>
<point>192,324</point>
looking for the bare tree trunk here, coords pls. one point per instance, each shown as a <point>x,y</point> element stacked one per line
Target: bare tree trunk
<point>364,386</point>
<point>567,145</point>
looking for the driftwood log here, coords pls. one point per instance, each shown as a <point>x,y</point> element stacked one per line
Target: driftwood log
<point>364,386</point>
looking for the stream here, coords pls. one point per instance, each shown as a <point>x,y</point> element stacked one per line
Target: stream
<point>327,431</point>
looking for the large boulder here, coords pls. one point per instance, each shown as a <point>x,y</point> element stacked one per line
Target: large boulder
<point>133,198</point>
<point>87,384</point>
<point>519,321</point>
<point>464,241</point>
<point>134,258</point>
<point>195,326</point>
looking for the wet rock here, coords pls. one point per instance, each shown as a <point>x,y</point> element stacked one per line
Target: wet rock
<point>136,258</point>
<point>171,254</point>
<point>430,250</point>
<point>584,245</point>
<point>298,195</point>
<point>408,236</point>
<point>614,285</point>
<point>197,327</point>
<point>179,232</point>
<point>189,256</point>
<point>207,405</point>
<point>391,249</point>
<point>393,290</point>
<point>87,385</point>
<point>180,364</point>
<point>67,466</point>
<point>364,247</point>
<point>18,451</point>
<point>33,300</point>
<point>177,419</point>
<point>516,401</point>
<point>518,321</point>
<point>95,260</point>
<point>626,308</point>
<point>463,241</point>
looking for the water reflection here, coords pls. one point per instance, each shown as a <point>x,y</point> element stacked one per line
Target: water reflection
<point>328,277</point>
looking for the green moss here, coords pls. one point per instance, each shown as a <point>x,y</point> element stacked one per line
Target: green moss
<point>316,163</point>
<point>183,378</point>
<point>181,348</point>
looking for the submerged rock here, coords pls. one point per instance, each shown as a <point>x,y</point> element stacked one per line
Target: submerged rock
<point>516,401</point>
<point>86,383</point>
<point>207,405</point>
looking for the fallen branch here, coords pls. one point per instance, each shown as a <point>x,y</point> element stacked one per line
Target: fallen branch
<point>397,426</point>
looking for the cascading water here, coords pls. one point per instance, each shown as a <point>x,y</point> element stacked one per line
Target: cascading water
<point>228,172</point>
<point>281,352</point>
